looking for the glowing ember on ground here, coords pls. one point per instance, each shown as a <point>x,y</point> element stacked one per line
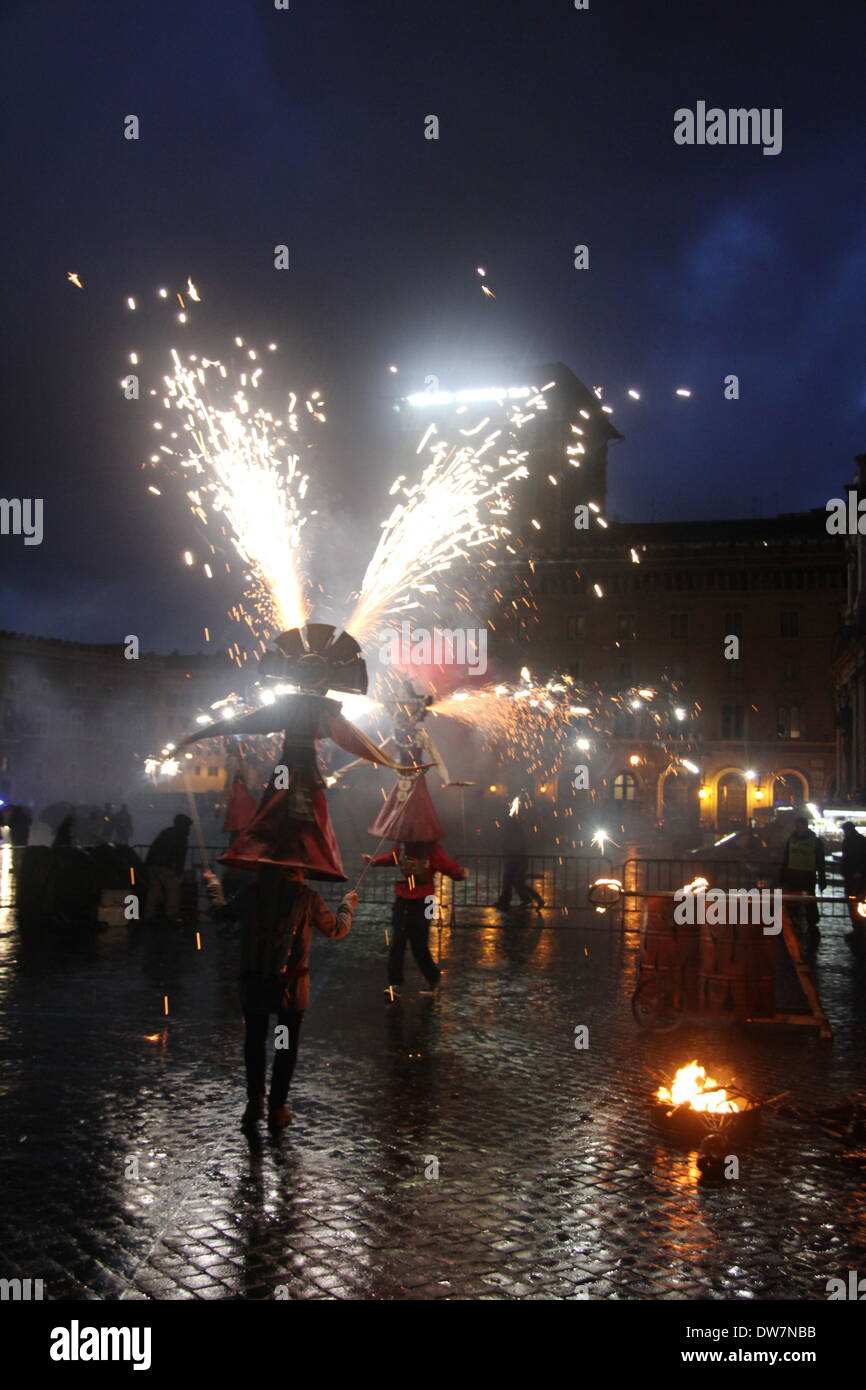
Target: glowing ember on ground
<point>691,1086</point>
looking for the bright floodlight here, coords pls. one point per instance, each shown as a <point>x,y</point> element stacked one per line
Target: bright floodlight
<point>483,393</point>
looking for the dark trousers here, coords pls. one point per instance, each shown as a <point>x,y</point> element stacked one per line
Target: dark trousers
<point>410,925</point>
<point>257,1025</point>
<point>515,869</point>
<point>800,881</point>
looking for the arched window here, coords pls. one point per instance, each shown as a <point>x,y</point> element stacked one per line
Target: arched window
<point>789,789</point>
<point>624,787</point>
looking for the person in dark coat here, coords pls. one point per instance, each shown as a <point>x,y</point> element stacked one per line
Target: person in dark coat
<point>165,863</point>
<point>65,836</point>
<point>803,866</point>
<point>854,877</point>
<point>278,912</point>
<point>515,866</point>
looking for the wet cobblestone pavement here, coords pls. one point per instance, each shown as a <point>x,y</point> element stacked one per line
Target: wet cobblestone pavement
<point>125,1174</point>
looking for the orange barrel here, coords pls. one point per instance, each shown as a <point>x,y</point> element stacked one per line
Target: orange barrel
<point>737,970</point>
<point>668,949</point>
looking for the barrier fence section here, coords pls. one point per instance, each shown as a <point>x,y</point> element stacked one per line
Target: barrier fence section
<point>561,880</point>
<point>646,876</point>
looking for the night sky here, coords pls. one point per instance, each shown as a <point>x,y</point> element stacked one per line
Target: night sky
<point>306,127</point>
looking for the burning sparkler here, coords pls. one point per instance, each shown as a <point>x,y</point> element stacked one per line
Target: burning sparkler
<point>453,508</point>
<point>242,468</point>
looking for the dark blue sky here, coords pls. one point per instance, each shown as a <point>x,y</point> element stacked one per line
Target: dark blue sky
<point>261,126</point>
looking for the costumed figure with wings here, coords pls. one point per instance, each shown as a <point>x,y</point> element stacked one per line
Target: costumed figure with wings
<point>408,814</point>
<point>291,827</point>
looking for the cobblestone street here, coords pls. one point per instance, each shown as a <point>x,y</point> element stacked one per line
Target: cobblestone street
<point>126,1176</point>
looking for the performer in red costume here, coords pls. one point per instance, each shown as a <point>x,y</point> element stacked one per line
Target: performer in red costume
<point>409,813</point>
<point>414,907</point>
<point>291,827</point>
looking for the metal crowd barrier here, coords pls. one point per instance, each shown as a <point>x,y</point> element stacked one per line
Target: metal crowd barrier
<point>561,880</point>
<point>643,877</point>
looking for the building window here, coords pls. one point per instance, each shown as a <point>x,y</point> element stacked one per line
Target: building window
<point>78,690</point>
<point>624,787</point>
<point>680,627</point>
<point>625,672</point>
<point>40,722</point>
<point>733,624</point>
<point>788,722</point>
<point>790,671</point>
<point>626,627</point>
<point>790,624</point>
<point>575,625</point>
<point>733,721</point>
<point>625,724</point>
<point>213,772</point>
<point>574,670</point>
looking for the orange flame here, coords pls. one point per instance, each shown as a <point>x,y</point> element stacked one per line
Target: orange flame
<point>692,1086</point>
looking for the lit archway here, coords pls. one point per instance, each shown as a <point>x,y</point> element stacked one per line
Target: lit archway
<point>731,801</point>
<point>790,788</point>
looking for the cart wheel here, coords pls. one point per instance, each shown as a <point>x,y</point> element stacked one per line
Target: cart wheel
<point>655,1007</point>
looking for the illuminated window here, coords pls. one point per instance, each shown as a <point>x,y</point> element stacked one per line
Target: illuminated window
<point>624,787</point>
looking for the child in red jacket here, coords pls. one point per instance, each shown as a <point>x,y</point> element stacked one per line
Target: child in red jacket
<point>415,893</point>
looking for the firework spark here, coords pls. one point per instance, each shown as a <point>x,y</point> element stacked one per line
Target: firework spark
<point>455,507</point>
<point>244,477</point>
<point>536,719</point>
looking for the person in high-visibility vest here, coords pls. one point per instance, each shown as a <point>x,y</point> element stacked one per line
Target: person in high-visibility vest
<point>803,867</point>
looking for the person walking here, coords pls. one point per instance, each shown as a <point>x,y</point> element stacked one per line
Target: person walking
<point>803,865</point>
<point>165,861</point>
<point>414,901</point>
<point>515,865</point>
<point>854,878</point>
<point>278,912</point>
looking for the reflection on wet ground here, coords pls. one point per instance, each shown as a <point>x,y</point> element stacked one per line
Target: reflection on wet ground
<point>461,1147</point>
